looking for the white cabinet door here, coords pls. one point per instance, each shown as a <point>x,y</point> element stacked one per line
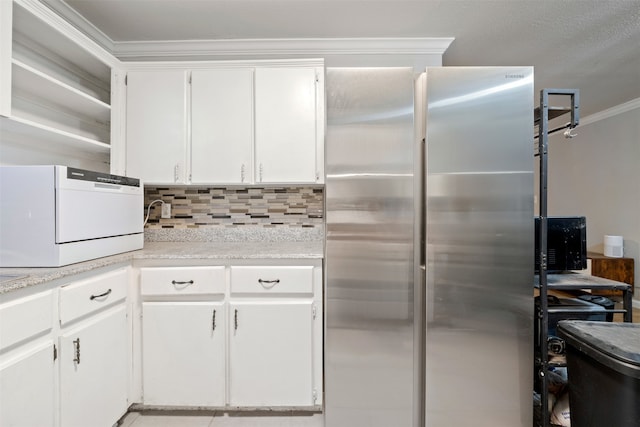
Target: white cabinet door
<point>157,126</point>
<point>270,353</point>
<point>93,371</point>
<point>285,109</point>
<point>27,388</point>
<point>222,126</point>
<point>183,353</point>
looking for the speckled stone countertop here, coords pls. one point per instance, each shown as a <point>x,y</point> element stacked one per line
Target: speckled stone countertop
<point>230,250</point>
<point>197,248</point>
<point>35,276</point>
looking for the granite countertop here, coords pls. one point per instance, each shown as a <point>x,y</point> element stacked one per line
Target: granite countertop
<point>231,250</point>
<point>35,276</point>
<point>171,250</point>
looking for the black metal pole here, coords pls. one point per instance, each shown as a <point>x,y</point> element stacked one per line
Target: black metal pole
<point>543,141</point>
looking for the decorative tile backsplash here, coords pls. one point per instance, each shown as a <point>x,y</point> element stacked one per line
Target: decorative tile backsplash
<point>207,207</point>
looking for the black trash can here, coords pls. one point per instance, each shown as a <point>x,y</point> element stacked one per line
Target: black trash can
<point>603,362</point>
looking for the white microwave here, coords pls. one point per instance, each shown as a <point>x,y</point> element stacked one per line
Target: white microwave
<point>52,216</point>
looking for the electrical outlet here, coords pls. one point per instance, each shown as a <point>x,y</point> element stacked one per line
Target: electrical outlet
<point>166,210</point>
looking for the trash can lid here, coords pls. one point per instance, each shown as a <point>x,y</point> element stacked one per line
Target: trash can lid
<point>616,345</point>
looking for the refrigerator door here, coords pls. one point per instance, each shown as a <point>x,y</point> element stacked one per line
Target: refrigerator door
<point>479,246</point>
<point>369,344</point>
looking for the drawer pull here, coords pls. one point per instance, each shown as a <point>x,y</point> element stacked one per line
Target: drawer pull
<point>235,321</point>
<point>177,282</point>
<point>92,297</point>
<point>76,345</point>
<point>268,284</point>
<point>213,322</point>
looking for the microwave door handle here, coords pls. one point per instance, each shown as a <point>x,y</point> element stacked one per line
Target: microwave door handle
<point>108,187</point>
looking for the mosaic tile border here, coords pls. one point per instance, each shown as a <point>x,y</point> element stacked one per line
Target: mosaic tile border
<point>218,207</point>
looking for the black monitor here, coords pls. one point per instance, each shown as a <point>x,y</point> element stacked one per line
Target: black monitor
<point>566,243</point>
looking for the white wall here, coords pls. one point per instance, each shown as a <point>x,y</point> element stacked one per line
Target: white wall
<point>597,175</point>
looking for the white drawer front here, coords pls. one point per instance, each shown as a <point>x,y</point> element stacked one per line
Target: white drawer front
<point>182,280</point>
<point>86,296</point>
<point>25,318</point>
<point>275,280</point>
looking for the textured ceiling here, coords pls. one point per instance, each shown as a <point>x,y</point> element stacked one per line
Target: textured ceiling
<point>591,45</point>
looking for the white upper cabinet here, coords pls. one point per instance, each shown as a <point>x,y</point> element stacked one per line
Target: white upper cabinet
<point>156,130</point>
<point>227,123</point>
<point>222,126</point>
<point>286,118</point>
<point>55,86</point>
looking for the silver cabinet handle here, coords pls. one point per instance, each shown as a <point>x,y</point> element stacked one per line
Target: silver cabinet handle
<point>175,172</point>
<point>260,172</point>
<point>213,321</point>
<point>268,284</point>
<point>76,345</point>
<point>104,294</point>
<point>242,173</point>
<point>235,320</point>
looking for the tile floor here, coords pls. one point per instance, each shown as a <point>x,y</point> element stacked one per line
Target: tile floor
<point>221,419</point>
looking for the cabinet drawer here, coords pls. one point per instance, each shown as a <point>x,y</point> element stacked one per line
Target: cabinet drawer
<point>290,280</point>
<point>182,280</point>
<point>25,318</point>
<point>95,293</point>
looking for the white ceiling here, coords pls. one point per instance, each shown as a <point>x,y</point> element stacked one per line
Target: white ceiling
<point>591,45</point>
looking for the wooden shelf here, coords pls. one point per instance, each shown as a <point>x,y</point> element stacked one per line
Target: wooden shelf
<point>618,269</point>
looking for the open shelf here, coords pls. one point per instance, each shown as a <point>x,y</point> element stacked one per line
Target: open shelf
<point>51,43</point>
<point>16,128</point>
<point>60,88</point>
<point>28,80</point>
<point>553,112</point>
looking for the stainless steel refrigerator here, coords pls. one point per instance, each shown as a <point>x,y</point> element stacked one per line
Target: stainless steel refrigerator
<point>429,249</point>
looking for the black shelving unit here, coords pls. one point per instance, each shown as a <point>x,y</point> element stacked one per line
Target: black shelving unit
<point>565,282</point>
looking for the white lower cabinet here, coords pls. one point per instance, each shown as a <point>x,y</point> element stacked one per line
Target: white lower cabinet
<point>27,365</point>
<point>233,336</point>
<point>27,388</point>
<point>270,353</point>
<point>183,353</point>
<point>64,354</point>
<point>183,336</point>
<point>93,371</point>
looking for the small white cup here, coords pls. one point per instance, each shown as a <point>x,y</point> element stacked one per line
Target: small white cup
<point>613,246</point>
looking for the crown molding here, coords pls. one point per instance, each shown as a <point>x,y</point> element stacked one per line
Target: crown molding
<point>314,47</point>
<point>80,23</point>
<point>203,64</point>
<point>610,112</point>
<point>237,48</point>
